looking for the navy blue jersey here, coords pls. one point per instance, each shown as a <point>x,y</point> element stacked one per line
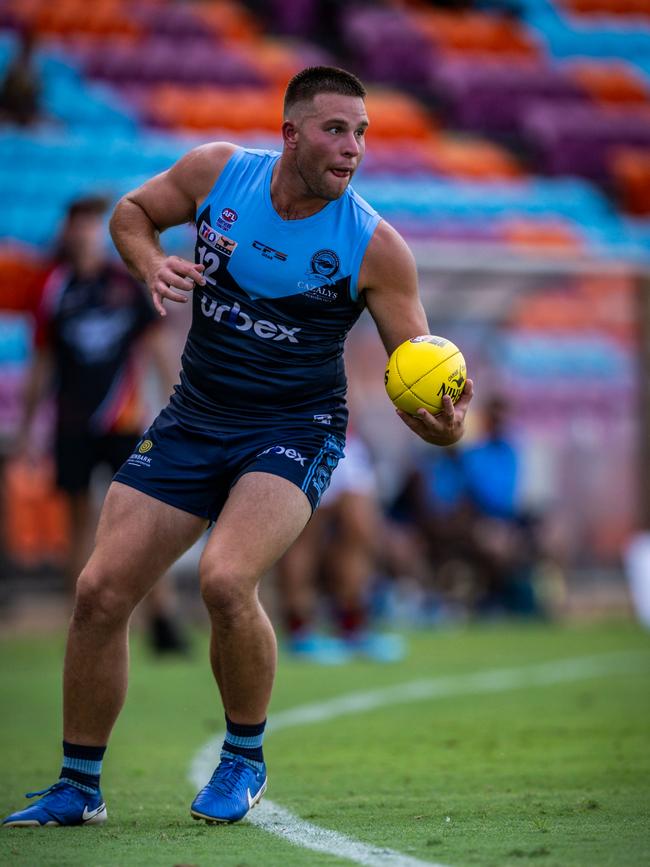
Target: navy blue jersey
<point>268,328</point>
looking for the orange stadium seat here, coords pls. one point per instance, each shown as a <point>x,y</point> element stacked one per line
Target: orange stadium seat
<point>396,115</point>
<point>608,7</point>
<point>474,33</point>
<point>37,526</point>
<point>228,19</point>
<point>105,18</point>
<point>21,280</point>
<point>276,61</point>
<point>216,107</point>
<point>551,236</point>
<point>603,303</point>
<point>631,172</point>
<point>617,83</point>
<point>473,158</point>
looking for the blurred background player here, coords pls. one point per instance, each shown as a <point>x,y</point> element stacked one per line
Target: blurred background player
<point>95,327</point>
<point>335,559</point>
<point>486,551</point>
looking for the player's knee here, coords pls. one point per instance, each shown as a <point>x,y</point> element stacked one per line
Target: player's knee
<point>97,602</point>
<point>226,591</point>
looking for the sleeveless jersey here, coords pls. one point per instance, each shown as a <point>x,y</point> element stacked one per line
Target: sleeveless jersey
<point>268,327</point>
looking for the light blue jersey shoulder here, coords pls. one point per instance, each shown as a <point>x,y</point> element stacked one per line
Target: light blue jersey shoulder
<point>281,295</point>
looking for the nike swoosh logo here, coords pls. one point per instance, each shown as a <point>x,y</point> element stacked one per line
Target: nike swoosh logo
<point>90,814</point>
<point>250,800</point>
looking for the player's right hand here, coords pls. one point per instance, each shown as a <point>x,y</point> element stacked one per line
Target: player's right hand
<point>170,278</point>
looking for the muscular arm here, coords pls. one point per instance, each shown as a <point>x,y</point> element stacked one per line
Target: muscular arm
<point>169,199</point>
<point>389,275</point>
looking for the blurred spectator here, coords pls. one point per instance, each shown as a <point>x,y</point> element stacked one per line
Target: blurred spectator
<point>503,535</point>
<point>483,547</point>
<point>20,92</point>
<point>93,325</point>
<point>336,556</point>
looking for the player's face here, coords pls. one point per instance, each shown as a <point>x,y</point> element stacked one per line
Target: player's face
<point>331,143</point>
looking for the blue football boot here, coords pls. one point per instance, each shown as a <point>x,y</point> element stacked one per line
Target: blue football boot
<point>61,804</point>
<point>378,646</point>
<point>320,649</point>
<point>233,790</point>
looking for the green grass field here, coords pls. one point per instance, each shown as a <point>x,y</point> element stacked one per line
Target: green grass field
<point>546,774</point>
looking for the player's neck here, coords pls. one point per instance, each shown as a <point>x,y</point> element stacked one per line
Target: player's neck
<point>289,195</point>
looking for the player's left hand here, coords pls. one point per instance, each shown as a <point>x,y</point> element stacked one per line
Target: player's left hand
<point>446,427</point>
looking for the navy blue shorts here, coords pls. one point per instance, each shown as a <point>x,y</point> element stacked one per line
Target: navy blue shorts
<point>194,469</point>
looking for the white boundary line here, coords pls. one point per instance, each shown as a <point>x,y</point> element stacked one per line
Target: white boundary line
<point>281,822</point>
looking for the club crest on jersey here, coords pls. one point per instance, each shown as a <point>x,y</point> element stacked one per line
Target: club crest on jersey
<point>216,240</point>
<point>227,218</point>
<point>325,263</point>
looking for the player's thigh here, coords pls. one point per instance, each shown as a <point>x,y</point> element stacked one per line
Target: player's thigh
<point>138,539</point>
<point>263,515</point>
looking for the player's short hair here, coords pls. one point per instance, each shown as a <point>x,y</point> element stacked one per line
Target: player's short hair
<point>309,82</point>
<point>88,206</point>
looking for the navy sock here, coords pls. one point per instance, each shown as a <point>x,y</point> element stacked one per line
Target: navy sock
<point>82,766</point>
<point>244,742</point>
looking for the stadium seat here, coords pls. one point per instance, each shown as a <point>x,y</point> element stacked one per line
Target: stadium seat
<point>610,83</point>
<point>491,96</point>
<point>630,169</point>
<point>474,33</point>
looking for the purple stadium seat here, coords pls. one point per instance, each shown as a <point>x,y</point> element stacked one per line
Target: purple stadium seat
<point>490,96</point>
<point>170,20</point>
<point>578,138</point>
<point>386,46</point>
<point>191,60</point>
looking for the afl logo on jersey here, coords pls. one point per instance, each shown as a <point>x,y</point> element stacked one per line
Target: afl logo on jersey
<point>227,218</point>
<point>326,263</point>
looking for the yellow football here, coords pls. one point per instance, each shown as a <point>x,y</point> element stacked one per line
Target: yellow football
<point>422,370</point>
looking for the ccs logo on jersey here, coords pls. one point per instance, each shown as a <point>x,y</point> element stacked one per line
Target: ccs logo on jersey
<point>269,252</point>
<point>216,240</point>
<point>227,218</point>
<point>145,446</point>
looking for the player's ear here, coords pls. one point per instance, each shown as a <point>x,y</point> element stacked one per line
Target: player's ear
<point>290,134</point>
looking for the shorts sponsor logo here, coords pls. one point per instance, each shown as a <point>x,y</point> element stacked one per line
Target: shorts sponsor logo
<point>292,454</point>
<point>227,218</point>
<point>235,317</point>
<point>269,252</point>
<point>326,263</point>
<point>323,418</point>
<point>145,446</point>
<point>216,239</point>
<point>138,460</point>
